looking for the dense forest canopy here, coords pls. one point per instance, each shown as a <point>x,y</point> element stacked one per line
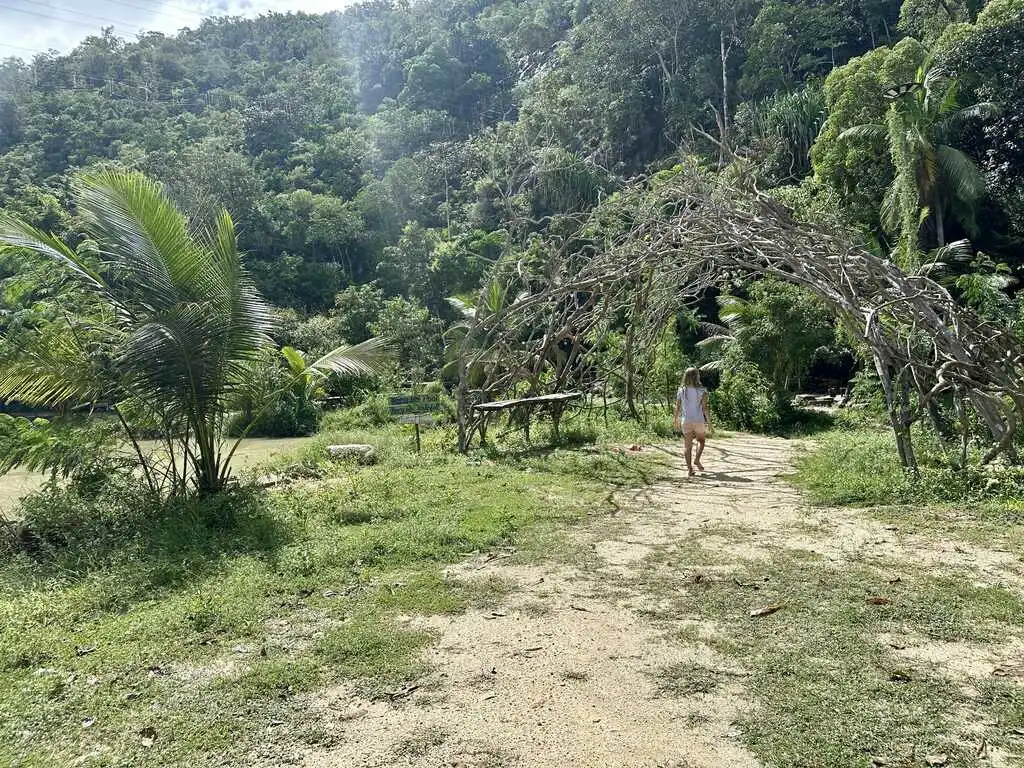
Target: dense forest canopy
<point>379,160</point>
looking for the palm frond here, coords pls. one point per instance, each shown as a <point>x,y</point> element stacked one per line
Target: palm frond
<point>18,234</point>
<point>54,371</point>
<point>933,76</point>
<point>144,238</point>
<point>865,132</point>
<point>464,308</point>
<point>715,342</point>
<point>494,297</point>
<point>366,358</point>
<point>960,250</point>
<point>295,359</point>
<point>961,173</point>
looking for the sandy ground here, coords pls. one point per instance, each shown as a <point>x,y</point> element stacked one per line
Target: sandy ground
<point>565,673</point>
<point>252,452</point>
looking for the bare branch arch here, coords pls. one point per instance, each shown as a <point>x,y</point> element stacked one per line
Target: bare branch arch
<point>673,241</point>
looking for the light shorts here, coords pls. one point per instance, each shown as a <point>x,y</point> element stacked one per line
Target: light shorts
<point>696,430</point>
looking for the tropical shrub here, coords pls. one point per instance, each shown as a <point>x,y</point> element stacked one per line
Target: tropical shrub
<point>182,324</point>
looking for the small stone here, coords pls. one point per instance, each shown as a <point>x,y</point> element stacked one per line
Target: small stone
<point>362,454</point>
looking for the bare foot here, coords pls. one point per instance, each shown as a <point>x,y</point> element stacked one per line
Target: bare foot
<point>699,466</point>
<point>692,473</point>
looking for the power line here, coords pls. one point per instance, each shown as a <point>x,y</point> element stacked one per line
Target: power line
<point>161,5</point>
<point>50,17</point>
<point>21,48</point>
<point>184,15</point>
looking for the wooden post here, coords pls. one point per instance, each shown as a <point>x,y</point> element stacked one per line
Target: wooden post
<point>556,416</point>
<point>417,425</point>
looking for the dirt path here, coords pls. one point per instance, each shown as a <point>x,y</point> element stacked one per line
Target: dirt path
<point>583,663</point>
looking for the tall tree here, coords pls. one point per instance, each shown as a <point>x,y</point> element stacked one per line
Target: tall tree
<point>933,178</point>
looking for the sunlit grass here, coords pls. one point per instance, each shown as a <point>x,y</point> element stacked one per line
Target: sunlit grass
<point>157,636</point>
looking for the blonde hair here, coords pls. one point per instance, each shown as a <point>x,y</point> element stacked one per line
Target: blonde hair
<point>691,378</point>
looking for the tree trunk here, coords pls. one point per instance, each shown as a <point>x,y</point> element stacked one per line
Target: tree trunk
<point>725,81</point>
<point>461,404</point>
<point>905,422</point>
<point>898,415</point>
<point>965,429</point>
<point>940,224</point>
<point>629,365</point>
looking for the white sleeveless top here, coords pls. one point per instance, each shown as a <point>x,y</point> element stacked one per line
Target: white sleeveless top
<point>690,399</point>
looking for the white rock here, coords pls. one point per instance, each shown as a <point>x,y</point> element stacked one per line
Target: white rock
<point>364,454</point>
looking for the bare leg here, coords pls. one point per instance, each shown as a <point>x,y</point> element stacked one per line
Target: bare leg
<point>700,452</point>
<point>688,452</point>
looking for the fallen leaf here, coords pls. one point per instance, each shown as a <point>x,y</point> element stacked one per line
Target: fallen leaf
<point>744,584</point>
<point>495,615</point>
<point>89,722</point>
<point>577,608</point>
<point>890,527</point>
<point>895,580</point>
<point>148,736</point>
<point>879,761</point>
<point>899,677</point>
<point>767,610</point>
<point>330,593</point>
<point>85,651</point>
<point>939,759</point>
<point>276,722</point>
<point>92,680</point>
<point>879,601</point>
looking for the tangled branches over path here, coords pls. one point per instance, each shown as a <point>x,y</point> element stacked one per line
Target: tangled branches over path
<point>659,247</point>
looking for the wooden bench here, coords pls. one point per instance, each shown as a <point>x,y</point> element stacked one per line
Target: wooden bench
<point>554,405</point>
<point>418,410</point>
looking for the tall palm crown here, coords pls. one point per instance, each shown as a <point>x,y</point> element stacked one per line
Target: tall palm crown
<point>932,177</point>
<point>182,319</point>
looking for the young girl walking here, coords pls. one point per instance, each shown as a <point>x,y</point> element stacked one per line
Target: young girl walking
<point>692,417</point>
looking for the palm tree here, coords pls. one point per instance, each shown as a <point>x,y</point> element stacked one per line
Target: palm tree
<point>182,323</point>
<point>932,178</point>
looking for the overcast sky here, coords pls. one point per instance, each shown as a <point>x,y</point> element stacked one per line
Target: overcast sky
<point>32,26</point>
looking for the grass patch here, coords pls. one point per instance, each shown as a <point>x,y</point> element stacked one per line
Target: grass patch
<point>860,467</point>
<point>825,690</point>
<point>205,621</point>
<point>685,679</point>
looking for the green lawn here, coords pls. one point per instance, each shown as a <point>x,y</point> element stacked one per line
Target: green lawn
<point>164,637</point>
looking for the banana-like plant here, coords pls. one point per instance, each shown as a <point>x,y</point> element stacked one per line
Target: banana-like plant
<point>184,321</point>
